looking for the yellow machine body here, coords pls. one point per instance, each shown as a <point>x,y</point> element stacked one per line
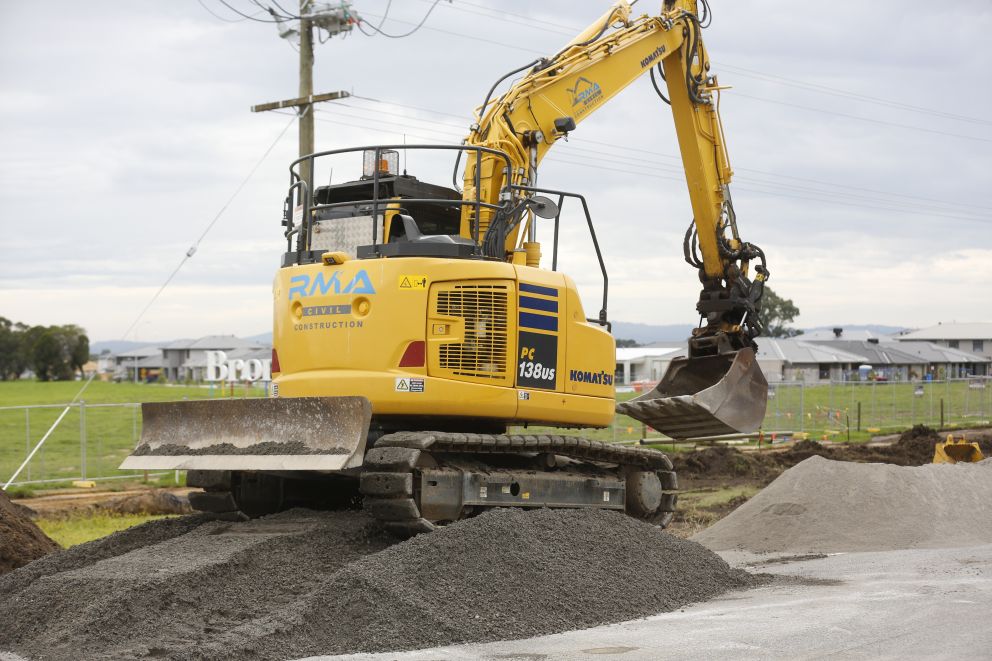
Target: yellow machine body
<point>500,341</point>
<point>956,450</point>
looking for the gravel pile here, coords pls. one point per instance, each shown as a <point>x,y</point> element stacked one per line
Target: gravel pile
<point>827,506</point>
<point>304,583</point>
<point>21,541</point>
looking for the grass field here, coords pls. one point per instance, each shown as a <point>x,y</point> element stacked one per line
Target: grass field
<point>85,527</point>
<point>111,427</point>
<point>108,425</point>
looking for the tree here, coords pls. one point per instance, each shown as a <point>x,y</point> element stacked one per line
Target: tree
<point>626,343</point>
<point>777,313</point>
<point>47,357</point>
<point>53,352</point>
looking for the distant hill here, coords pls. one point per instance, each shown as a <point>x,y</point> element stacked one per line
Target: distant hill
<point>648,333</point>
<point>262,338</point>
<point>120,346</point>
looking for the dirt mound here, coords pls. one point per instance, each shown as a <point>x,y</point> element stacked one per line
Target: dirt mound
<point>724,462</point>
<point>21,541</point>
<point>302,583</point>
<point>918,443</point>
<point>829,506</point>
<point>148,502</point>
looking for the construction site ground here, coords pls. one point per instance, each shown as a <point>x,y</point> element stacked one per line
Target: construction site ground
<point>907,604</point>
<point>828,557</point>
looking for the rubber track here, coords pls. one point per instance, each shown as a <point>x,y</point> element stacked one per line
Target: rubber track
<point>389,495</point>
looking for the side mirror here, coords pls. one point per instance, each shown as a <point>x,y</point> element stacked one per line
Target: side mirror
<point>543,206</point>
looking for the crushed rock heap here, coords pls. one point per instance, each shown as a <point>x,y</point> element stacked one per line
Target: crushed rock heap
<point>828,506</point>
<point>303,583</point>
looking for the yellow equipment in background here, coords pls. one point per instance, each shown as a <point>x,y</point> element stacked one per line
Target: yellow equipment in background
<point>956,450</point>
<point>415,323</point>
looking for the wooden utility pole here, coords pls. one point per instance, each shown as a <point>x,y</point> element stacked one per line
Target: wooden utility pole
<point>306,87</point>
<point>304,103</point>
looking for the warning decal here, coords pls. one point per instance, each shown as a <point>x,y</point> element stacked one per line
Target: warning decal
<point>411,282</point>
<point>406,384</point>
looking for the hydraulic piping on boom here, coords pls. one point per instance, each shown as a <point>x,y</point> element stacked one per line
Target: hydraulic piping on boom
<point>550,100</point>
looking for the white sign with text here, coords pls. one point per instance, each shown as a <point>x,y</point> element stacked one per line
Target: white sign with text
<point>220,368</point>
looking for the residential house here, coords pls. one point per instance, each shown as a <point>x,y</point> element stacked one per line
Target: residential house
<point>138,364</point>
<point>797,360</point>
<point>186,360</point>
<point>974,338</point>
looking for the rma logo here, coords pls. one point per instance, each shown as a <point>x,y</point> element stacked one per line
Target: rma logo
<point>584,92</point>
<point>304,285</point>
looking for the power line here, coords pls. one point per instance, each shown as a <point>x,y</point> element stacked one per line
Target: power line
<point>192,249</point>
<point>860,118</point>
<point>246,16</point>
<point>467,36</point>
<point>599,153</point>
<point>784,191</point>
<point>825,89</point>
<point>218,16</point>
<point>557,28</point>
<point>378,30</point>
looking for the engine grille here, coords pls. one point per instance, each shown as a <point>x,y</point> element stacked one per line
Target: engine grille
<point>483,354</point>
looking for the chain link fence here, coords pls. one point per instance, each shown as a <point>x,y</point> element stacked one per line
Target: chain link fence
<point>875,406</point>
<point>94,439</point>
<point>89,444</point>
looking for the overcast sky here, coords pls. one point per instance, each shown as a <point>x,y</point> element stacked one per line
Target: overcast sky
<point>860,134</point>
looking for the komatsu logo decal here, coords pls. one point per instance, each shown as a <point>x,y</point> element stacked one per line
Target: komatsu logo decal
<point>585,92</point>
<point>598,378</point>
<point>304,285</point>
<point>654,55</point>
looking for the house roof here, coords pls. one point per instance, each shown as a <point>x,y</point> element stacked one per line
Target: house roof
<point>823,334</point>
<point>264,353</point>
<point>952,331</point>
<point>637,353</point>
<point>223,342</point>
<point>934,353</point>
<point>877,353</point>
<point>140,352</point>
<point>801,352</point>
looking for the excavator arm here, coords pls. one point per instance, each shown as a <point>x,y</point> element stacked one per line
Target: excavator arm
<point>718,388</point>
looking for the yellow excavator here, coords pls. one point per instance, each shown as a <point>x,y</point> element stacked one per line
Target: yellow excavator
<point>414,323</point>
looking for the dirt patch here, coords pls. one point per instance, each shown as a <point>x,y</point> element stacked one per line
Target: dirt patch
<point>824,506</point>
<point>21,541</point>
<point>730,466</point>
<point>303,583</point>
<point>155,501</point>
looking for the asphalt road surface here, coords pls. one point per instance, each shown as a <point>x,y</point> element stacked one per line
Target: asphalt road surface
<point>931,603</point>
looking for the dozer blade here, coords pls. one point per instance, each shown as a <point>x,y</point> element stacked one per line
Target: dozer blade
<point>705,396</point>
<point>957,451</point>
<point>293,433</point>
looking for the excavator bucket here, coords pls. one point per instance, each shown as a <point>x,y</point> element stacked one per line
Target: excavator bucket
<point>705,396</point>
<point>956,450</point>
<point>293,433</point>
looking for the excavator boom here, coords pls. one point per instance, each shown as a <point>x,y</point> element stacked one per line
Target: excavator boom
<point>719,387</point>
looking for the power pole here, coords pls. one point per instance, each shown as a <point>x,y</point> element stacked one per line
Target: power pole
<point>339,19</point>
<point>306,87</point>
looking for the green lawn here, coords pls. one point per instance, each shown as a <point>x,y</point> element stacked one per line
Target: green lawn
<point>111,429</point>
<point>80,528</point>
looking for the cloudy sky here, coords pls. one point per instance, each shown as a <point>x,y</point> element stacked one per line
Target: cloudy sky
<point>860,134</point>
